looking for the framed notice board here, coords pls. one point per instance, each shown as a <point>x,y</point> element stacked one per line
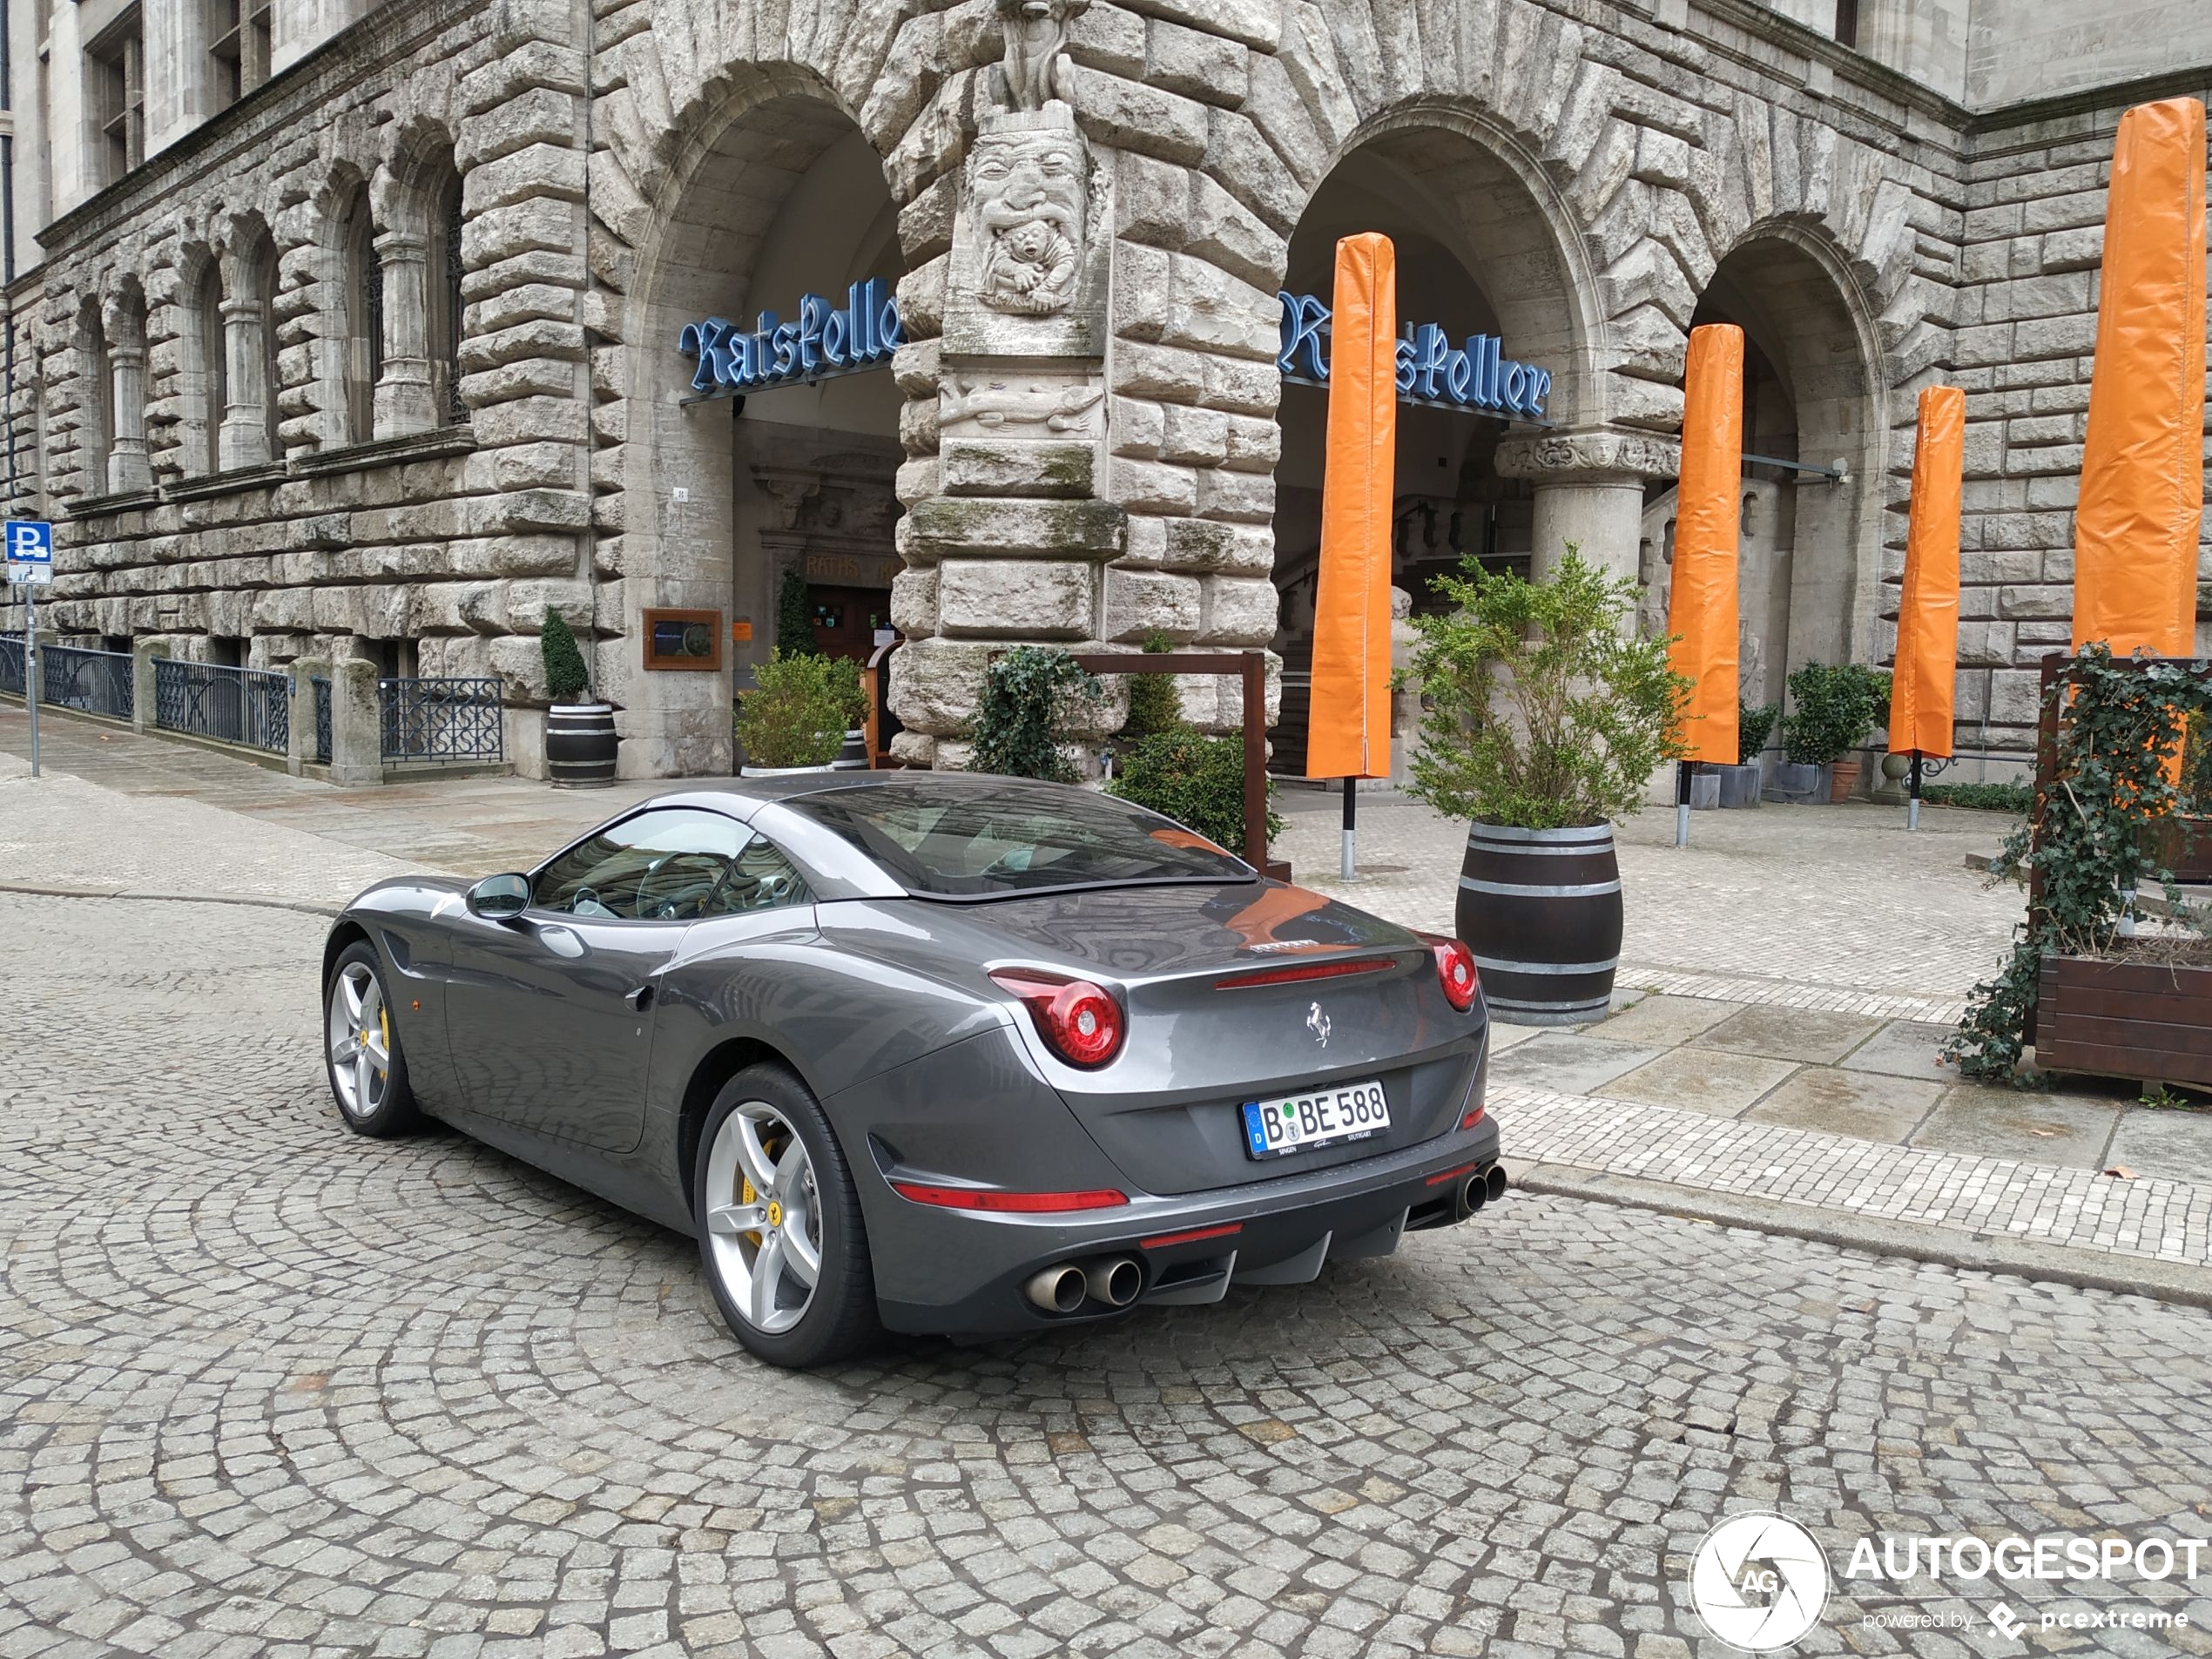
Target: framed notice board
<point>683,639</point>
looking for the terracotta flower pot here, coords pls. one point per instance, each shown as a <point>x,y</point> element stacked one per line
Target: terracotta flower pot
<point>1843,778</point>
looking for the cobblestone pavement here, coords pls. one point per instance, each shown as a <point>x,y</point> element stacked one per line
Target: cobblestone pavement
<point>269,1389</point>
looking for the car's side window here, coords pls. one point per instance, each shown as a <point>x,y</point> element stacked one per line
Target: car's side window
<point>673,864</point>
<point>763,880</point>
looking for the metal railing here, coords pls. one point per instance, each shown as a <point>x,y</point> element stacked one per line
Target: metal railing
<point>245,705</point>
<point>439,719</point>
<point>11,675</point>
<point>90,682</point>
<point>319,689</point>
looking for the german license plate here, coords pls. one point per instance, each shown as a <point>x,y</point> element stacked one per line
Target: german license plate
<point>1274,1129</point>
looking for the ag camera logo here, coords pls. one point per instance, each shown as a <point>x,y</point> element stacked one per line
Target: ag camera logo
<point>1759,1582</point>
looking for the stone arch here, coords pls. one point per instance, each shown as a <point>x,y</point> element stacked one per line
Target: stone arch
<point>728,166</point>
<point>197,397</point>
<point>328,392</point>
<point>247,435</point>
<point>95,418</point>
<point>415,195</point>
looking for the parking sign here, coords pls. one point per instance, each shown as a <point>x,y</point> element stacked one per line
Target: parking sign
<point>30,547</point>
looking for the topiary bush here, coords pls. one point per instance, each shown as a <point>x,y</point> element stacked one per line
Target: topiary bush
<point>1030,696</point>
<point>1195,779</point>
<point>1153,704</point>
<point>1754,725</point>
<point>802,705</point>
<point>567,680</point>
<point>1838,709</point>
<point>795,617</point>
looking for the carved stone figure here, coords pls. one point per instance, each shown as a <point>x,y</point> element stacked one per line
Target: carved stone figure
<point>1030,199</point>
<point>1035,68</point>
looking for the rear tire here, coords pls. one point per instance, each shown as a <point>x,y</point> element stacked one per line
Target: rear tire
<point>773,1203</point>
<point>361,1047</point>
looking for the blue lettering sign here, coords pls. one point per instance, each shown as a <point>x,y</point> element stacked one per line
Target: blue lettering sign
<point>1475,375</point>
<point>862,333</point>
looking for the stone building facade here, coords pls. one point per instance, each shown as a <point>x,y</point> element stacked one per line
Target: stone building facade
<point>378,347</point>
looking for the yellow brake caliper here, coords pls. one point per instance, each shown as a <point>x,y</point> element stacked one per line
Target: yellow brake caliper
<point>746,1194</point>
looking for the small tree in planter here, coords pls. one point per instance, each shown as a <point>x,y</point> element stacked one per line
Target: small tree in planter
<point>1838,709</point>
<point>1740,783</point>
<point>796,717</point>
<point>1543,724</point>
<point>795,617</point>
<point>1030,696</point>
<point>2095,998</point>
<point>1196,780</point>
<point>580,744</point>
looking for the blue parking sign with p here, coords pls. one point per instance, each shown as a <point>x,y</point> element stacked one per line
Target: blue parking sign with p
<point>28,545</point>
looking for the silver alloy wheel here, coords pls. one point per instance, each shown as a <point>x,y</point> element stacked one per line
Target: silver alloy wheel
<point>361,1041</point>
<point>764,1217</point>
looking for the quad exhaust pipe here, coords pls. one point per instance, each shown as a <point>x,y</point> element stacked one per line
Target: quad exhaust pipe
<point>1063,1287</point>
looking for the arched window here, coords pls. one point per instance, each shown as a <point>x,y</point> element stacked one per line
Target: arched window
<point>361,319</point>
<point>208,364</point>
<point>444,278</point>
<point>96,415</point>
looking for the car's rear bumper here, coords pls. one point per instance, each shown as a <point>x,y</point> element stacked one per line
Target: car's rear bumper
<point>1283,1230</point>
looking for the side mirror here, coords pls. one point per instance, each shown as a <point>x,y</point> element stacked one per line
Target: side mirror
<point>500,897</point>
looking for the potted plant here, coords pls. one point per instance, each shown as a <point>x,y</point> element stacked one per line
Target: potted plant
<point>1543,723</point>
<point>1837,710</point>
<point>1740,783</point>
<point>580,745</point>
<point>797,716</point>
<point>1196,780</point>
<point>2092,989</point>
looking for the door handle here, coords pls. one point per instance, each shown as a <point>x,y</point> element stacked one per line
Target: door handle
<point>642,998</point>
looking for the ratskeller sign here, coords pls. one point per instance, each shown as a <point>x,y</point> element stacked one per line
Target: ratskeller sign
<point>826,339</point>
<point>1477,376</point>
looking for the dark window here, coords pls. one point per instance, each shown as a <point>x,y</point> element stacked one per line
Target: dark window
<point>117,71</point>
<point>364,321</point>
<point>100,436</point>
<point>1847,22</point>
<point>1013,837</point>
<point>214,364</point>
<point>225,51</point>
<point>674,864</point>
<point>444,274</point>
<point>227,652</point>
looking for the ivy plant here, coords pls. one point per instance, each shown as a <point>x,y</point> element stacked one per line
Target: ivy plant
<point>1031,698</point>
<point>2120,728</point>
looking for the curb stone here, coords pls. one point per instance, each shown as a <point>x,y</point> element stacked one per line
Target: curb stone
<point>48,891</point>
<point>1979,1252</point>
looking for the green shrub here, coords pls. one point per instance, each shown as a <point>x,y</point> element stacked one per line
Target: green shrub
<point>1196,780</point>
<point>1153,704</point>
<point>1837,711</point>
<point>1028,696</point>
<point>795,617</point>
<point>567,680</point>
<point>1982,798</point>
<point>1754,725</point>
<point>1541,712</point>
<point>800,709</point>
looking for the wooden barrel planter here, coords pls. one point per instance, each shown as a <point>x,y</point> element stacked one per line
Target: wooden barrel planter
<point>1540,909</point>
<point>580,746</point>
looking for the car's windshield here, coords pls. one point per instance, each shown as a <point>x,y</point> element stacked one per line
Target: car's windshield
<point>1012,837</point>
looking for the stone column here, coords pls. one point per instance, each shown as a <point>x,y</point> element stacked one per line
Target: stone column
<point>127,468</point>
<point>244,440</point>
<point>356,726</point>
<point>144,654</point>
<point>1590,491</point>
<point>405,401</point>
<point>300,751</point>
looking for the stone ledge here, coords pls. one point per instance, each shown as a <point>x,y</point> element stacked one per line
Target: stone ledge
<point>123,500</point>
<point>225,483</point>
<point>458,440</point>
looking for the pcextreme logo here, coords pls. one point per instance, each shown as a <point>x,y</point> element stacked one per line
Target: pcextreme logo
<point>1759,1582</point>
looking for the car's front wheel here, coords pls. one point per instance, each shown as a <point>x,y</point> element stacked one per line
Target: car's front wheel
<point>367,1071</point>
<point>779,1227</point>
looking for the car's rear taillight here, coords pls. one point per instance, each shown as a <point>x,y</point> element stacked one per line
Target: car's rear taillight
<point>1455,972</point>
<point>1080,1021</point>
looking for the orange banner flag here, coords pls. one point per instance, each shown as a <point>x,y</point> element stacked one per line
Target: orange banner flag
<point>2142,466</point>
<point>1922,689</point>
<point>1348,734</point>
<point>1700,608</point>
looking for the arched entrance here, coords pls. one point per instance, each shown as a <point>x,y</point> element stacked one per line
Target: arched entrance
<point>762,488</point>
<point>1809,549</point>
<point>1480,259</point>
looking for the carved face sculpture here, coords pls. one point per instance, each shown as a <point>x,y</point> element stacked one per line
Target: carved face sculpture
<point>1029,187</point>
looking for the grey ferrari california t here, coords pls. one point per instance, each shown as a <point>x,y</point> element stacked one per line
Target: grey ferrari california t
<point>933,1052</point>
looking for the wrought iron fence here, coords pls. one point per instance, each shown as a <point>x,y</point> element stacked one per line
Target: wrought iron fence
<point>321,689</point>
<point>441,719</point>
<point>247,705</point>
<point>11,675</point>
<point>92,682</point>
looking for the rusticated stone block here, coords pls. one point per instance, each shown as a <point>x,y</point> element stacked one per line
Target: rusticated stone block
<point>952,527</point>
<point>1199,545</point>
<point>937,683</point>
<point>1238,611</point>
<point>914,602</point>
<point>1017,467</point>
<point>1005,598</point>
<point>1136,601</point>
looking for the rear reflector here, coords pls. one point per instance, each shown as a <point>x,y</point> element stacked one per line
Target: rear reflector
<point>1473,1117</point>
<point>1449,1175</point>
<point>1190,1238</point>
<point>1310,970</point>
<point>1026,1204</point>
